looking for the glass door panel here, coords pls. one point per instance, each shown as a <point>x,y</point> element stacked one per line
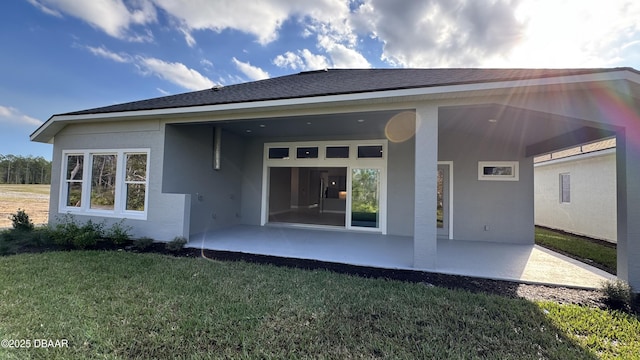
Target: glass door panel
<point>442,219</point>
<point>365,198</point>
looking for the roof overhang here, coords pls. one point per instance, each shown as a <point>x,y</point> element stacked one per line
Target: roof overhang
<point>319,104</point>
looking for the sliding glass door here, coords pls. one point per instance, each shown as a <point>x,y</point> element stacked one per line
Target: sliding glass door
<point>365,198</point>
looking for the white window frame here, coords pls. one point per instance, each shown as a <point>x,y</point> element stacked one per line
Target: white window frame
<point>322,161</point>
<point>515,176</point>
<point>119,208</point>
<point>561,177</point>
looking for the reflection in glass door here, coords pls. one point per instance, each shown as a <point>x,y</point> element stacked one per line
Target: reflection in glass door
<point>442,219</point>
<point>365,198</point>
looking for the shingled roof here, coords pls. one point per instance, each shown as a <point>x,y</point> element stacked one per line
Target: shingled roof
<point>337,82</point>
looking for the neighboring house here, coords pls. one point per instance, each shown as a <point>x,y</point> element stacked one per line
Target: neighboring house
<point>361,150</point>
<point>575,190</point>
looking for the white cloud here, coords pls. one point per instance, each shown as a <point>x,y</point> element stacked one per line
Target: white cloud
<point>290,60</point>
<point>14,116</point>
<point>342,56</point>
<point>304,60</point>
<point>506,33</point>
<point>163,92</point>
<point>107,54</point>
<point>176,73</point>
<point>45,9</point>
<point>261,19</point>
<point>250,71</point>
<point>111,16</point>
<point>440,32</point>
<point>206,63</point>
<point>188,38</point>
<point>576,33</point>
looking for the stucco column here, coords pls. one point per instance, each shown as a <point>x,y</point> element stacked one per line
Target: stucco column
<point>425,246</point>
<point>628,197</point>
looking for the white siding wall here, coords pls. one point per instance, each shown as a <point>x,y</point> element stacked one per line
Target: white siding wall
<point>592,208</point>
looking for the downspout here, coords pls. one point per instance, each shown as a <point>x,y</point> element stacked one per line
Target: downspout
<point>217,139</point>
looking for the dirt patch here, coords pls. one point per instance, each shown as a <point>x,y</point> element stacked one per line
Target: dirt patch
<point>34,199</point>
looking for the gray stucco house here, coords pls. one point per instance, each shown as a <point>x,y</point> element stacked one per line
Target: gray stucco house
<point>425,153</point>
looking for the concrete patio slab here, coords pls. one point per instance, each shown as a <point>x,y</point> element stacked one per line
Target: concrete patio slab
<point>521,263</point>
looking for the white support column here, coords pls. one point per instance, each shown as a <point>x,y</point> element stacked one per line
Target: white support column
<point>425,245</point>
<point>628,189</point>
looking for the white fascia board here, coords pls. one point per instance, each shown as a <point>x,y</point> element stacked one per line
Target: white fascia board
<point>576,157</point>
<point>423,92</point>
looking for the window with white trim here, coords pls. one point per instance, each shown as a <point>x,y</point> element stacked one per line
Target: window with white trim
<point>565,188</point>
<point>105,182</point>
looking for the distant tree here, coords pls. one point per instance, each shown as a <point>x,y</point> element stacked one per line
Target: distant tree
<point>24,170</point>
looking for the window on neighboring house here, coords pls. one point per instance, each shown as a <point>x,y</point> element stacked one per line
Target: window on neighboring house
<point>565,188</point>
<point>116,182</point>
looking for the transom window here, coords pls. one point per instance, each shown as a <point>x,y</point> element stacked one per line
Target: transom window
<point>310,152</point>
<point>109,183</point>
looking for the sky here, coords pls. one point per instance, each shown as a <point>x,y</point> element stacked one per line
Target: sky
<point>58,56</point>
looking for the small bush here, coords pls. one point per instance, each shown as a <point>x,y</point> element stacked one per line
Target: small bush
<point>118,233</point>
<point>142,244</point>
<point>69,233</point>
<point>617,294</point>
<point>176,244</point>
<point>20,221</point>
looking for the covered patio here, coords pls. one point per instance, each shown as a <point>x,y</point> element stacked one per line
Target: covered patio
<point>492,260</point>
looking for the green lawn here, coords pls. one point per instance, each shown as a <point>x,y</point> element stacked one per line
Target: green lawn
<point>578,247</point>
<point>114,305</point>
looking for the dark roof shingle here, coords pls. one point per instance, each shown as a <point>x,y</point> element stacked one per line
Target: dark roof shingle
<point>336,82</point>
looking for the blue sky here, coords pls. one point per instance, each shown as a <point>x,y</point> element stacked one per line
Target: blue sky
<point>59,56</point>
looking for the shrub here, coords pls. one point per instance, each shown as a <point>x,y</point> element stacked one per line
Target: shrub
<point>69,233</point>
<point>617,294</point>
<point>118,233</point>
<point>176,244</point>
<point>142,243</point>
<point>20,221</point>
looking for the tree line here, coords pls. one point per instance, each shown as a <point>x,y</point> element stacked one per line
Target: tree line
<point>24,170</point>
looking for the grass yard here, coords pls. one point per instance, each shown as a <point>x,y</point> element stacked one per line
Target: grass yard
<point>115,305</point>
<point>603,255</point>
<point>34,199</point>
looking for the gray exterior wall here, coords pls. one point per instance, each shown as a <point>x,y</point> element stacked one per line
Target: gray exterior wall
<point>188,169</point>
<point>503,206</point>
<point>401,188</point>
<point>184,187</point>
<point>252,183</point>
<point>166,212</point>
